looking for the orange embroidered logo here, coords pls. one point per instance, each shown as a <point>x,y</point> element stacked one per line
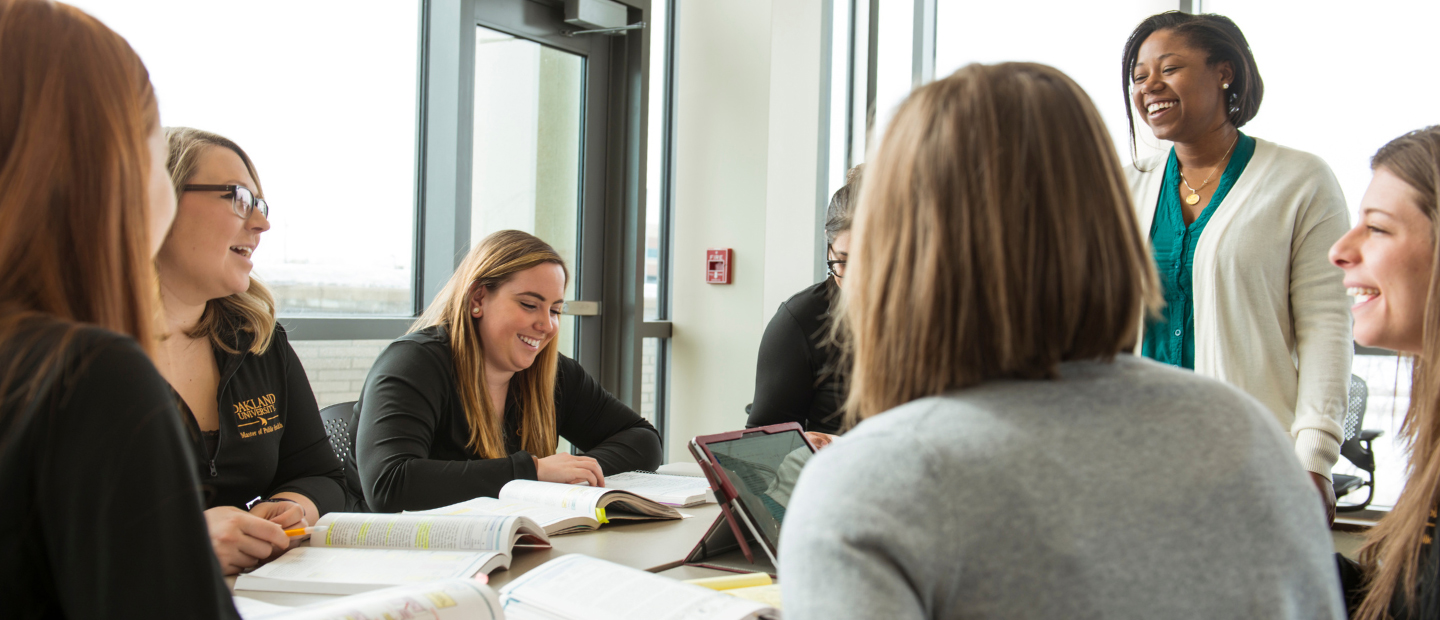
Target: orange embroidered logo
<point>257,416</point>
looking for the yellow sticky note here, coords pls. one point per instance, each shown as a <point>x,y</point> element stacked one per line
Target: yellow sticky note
<point>600,516</point>
<point>728,582</point>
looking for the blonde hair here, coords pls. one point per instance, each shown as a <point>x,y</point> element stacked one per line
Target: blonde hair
<point>1391,553</point>
<point>994,238</point>
<point>251,311</point>
<point>491,263</point>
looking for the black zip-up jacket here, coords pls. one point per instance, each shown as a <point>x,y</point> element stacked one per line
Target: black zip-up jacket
<point>271,437</point>
<point>100,512</point>
<point>410,439</point>
<point>796,379</point>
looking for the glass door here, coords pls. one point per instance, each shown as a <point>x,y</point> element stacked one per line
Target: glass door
<point>529,101</point>
<point>538,148</point>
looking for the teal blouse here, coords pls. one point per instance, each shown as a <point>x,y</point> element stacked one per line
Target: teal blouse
<point>1172,339</point>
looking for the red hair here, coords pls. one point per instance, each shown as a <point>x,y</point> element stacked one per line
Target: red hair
<point>76,112</point>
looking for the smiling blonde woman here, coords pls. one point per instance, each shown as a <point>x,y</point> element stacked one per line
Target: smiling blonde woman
<point>477,393</point>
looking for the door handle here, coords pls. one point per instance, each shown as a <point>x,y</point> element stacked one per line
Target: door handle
<point>582,308</point>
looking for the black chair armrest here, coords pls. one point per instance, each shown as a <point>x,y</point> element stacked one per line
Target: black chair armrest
<point>1369,434</point>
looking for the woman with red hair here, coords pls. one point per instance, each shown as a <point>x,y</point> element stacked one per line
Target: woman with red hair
<point>95,467</point>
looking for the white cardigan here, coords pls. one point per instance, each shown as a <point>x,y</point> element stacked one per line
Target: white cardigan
<point>1271,313</point>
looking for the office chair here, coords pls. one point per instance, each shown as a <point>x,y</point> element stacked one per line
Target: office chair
<point>1357,448</point>
<point>338,419</point>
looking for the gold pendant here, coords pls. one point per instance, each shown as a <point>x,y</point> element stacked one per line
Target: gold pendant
<point>1192,199</point>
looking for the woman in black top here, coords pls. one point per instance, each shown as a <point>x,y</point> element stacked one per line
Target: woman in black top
<point>240,385</point>
<point>476,396</point>
<point>1390,260</point>
<point>99,505</point>
<point>797,378</point>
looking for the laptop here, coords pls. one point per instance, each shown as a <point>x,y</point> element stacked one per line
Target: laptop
<point>753,473</point>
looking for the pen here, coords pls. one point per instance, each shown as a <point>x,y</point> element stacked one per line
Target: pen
<point>301,531</point>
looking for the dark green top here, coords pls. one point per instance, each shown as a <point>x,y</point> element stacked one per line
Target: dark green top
<point>1172,339</point>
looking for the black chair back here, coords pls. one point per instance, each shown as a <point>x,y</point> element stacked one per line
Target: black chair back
<point>338,419</point>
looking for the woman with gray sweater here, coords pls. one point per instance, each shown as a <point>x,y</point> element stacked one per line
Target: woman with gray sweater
<point>1013,460</point>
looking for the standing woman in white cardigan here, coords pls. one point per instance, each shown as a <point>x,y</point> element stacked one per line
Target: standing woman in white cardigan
<point>1240,230</point>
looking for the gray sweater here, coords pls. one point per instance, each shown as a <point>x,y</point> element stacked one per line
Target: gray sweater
<point>1122,490</point>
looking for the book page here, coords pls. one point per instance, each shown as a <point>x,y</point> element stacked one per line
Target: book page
<point>546,516</point>
<point>410,531</point>
<point>568,496</point>
<point>579,586</point>
<point>364,566</point>
<point>658,487</point>
<point>451,599</point>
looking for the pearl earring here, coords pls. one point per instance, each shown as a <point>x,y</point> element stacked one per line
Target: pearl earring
<point>1225,86</point>
<point>475,311</point>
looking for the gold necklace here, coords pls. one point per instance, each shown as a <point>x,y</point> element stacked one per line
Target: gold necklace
<point>1194,196</point>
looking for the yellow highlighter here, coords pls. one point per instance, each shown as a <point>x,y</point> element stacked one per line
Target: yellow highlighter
<point>731,582</point>
<point>301,531</point>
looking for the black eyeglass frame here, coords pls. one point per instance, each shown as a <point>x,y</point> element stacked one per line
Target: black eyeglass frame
<point>235,199</point>
<point>830,264</point>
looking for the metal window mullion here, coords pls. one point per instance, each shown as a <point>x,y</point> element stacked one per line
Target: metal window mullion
<point>923,61</point>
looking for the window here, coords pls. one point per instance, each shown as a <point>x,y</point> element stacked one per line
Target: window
<point>654,361</point>
<point>1318,99</point>
<point>326,113</point>
<point>1045,31</point>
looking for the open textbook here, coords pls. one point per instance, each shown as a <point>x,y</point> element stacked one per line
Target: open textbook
<point>579,587</point>
<point>449,599</point>
<point>363,552</point>
<point>572,587</point>
<point>560,508</point>
<point>682,491</point>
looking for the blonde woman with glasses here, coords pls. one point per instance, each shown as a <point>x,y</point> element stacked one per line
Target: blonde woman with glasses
<point>1012,459</point>
<point>264,458</point>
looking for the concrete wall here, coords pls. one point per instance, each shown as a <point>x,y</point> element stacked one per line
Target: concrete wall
<point>746,121</point>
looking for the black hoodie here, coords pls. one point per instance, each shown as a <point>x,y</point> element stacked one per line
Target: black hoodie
<point>271,437</point>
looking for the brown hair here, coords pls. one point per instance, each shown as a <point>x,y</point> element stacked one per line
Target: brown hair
<point>1221,40</point>
<point>1391,554</point>
<point>839,216</point>
<point>994,238</point>
<point>252,311</point>
<point>491,263</point>
<point>76,113</point>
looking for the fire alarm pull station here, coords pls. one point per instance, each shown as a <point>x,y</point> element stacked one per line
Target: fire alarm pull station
<point>717,265</point>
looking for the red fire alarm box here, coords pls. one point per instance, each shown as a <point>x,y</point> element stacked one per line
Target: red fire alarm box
<point>717,265</point>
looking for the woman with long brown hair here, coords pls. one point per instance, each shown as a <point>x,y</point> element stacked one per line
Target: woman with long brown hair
<point>477,393</point>
<point>1012,460</point>
<point>1390,259</point>
<point>95,470</point>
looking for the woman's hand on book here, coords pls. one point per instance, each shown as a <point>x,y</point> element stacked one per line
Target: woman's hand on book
<point>241,540</point>
<point>569,469</point>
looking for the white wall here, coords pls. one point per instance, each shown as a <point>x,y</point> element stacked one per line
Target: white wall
<point>746,120</point>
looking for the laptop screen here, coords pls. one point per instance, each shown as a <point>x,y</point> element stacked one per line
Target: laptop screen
<point>763,469</point>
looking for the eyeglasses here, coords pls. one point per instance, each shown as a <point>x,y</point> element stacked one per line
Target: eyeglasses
<point>242,202</point>
<point>836,267</point>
